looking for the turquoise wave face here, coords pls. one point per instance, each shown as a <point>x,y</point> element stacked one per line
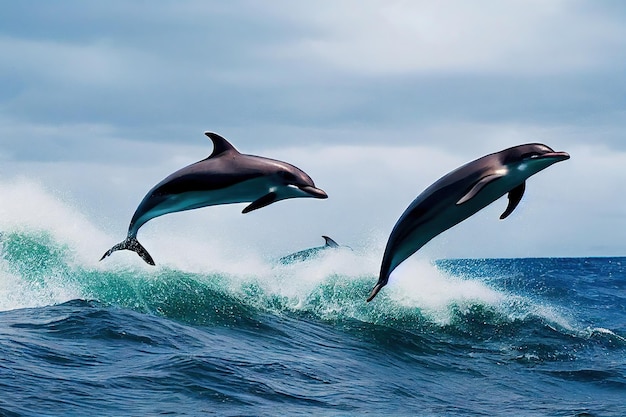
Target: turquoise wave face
<point>461,299</point>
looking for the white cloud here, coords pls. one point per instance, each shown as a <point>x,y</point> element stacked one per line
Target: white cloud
<point>52,61</point>
<point>514,37</point>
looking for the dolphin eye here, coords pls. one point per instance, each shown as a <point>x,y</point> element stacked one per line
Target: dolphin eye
<point>286,175</point>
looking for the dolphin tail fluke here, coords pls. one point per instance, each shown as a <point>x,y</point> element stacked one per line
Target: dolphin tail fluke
<point>375,291</point>
<point>133,244</point>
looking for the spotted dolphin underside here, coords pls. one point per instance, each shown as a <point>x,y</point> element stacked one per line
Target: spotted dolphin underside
<point>224,177</point>
<point>460,194</point>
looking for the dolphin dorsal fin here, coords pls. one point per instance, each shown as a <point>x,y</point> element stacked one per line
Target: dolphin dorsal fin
<point>220,145</point>
<point>330,242</point>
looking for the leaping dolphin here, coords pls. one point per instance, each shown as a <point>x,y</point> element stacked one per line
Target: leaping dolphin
<point>225,177</point>
<point>460,194</point>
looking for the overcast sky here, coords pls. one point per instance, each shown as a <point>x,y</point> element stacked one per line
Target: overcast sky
<point>375,100</point>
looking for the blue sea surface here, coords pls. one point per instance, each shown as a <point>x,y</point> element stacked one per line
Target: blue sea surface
<point>481,337</point>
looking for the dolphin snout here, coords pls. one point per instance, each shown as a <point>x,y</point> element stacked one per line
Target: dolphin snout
<point>314,192</point>
<point>558,156</point>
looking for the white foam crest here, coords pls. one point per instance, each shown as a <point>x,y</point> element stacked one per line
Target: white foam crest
<point>202,254</point>
<point>591,331</point>
<point>440,296</point>
<point>418,283</point>
<point>27,206</point>
<point>16,293</point>
<point>298,280</point>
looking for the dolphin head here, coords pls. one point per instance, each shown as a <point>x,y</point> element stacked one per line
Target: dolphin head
<point>532,158</point>
<point>283,181</point>
<point>293,182</point>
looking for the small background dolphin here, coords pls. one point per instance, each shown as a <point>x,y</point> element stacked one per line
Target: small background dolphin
<point>460,194</point>
<point>225,177</point>
<point>307,254</point>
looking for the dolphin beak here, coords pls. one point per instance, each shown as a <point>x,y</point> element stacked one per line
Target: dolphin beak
<point>557,156</point>
<point>314,192</point>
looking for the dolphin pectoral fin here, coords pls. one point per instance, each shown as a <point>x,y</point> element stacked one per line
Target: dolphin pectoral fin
<point>266,200</point>
<point>515,196</point>
<point>484,181</point>
<point>133,244</point>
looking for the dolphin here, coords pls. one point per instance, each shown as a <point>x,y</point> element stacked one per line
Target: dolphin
<point>224,177</point>
<point>460,194</point>
<point>306,254</point>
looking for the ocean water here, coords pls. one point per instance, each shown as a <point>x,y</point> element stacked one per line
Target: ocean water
<point>252,336</point>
